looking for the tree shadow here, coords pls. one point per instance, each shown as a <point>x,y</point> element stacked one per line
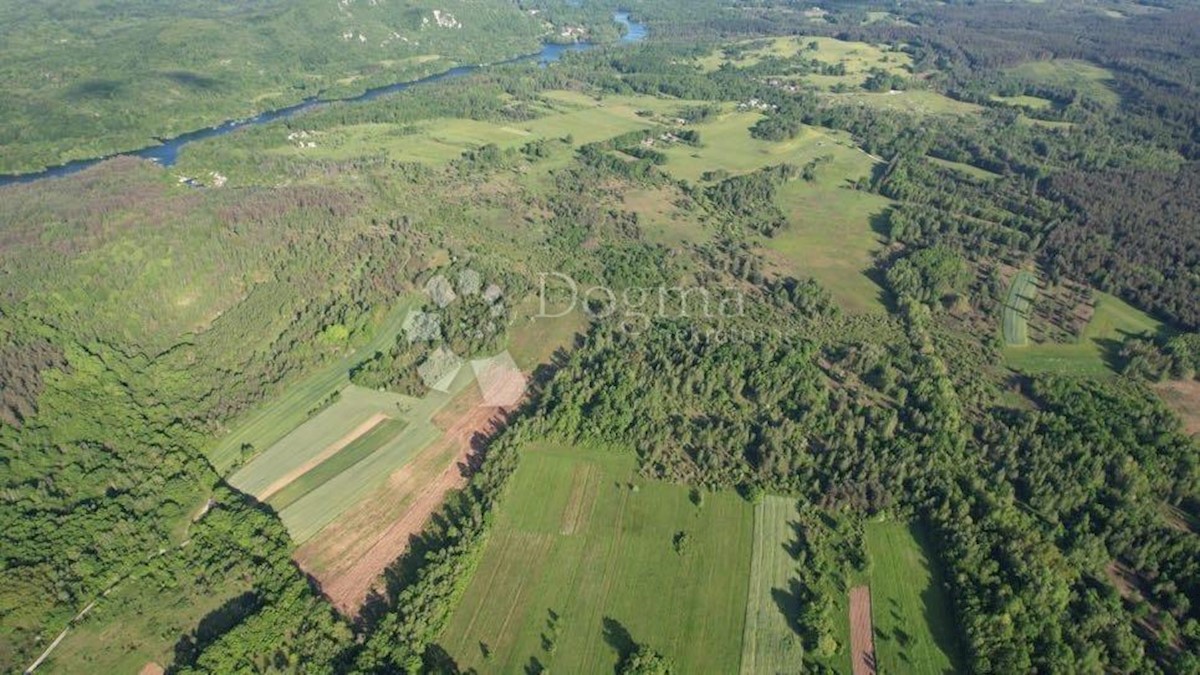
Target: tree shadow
<point>790,602</point>
<point>214,624</point>
<point>619,638</point>
<point>939,615</point>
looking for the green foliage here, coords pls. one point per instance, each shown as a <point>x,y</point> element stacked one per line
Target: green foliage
<point>929,275</point>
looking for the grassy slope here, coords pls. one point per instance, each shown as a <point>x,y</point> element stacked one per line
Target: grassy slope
<point>613,577</point>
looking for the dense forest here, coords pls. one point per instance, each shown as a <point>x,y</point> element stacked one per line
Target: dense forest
<point>142,319</point>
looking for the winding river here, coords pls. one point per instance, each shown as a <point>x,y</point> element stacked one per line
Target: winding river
<point>167,152</point>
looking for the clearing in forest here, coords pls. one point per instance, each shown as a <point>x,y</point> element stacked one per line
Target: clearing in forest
<point>913,620</point>
<point>587,558</point>
<point>1017,308</point>
<point>1095,352</point>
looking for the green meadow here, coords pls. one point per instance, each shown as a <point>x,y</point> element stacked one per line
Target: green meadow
<point>587,558</point>
<point>910,612</point>
<point>1090,79</point>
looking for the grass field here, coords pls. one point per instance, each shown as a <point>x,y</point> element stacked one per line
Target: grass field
<point>1023,101</point>
<point>914,101</point>
<point>832,232</point>
<point>769,643</point>
<point>973,171</point>
<point>582,560</point>
<point>358,450</point>
<point>263,427</point>
<point>440,140</point>
<point>858,57</point>
<point>1017,307</point>
<point>1096,350</point>
<point>911,614</point>
<point>1089,78</point>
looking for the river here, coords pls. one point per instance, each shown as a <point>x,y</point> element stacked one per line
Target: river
<point>167,152</point>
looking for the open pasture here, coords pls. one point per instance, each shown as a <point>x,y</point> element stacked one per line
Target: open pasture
<point>586,558</point>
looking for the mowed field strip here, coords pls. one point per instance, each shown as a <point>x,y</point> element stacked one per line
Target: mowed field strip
<point>355,413</point>
<point>581,537</point>
<point>318,508</point>
<point>769,643</point>
<point>1017,307</point>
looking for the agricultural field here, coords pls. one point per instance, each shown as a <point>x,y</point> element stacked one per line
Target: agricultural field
<point>1095,352</point>
<point>586,558</point>
<point>911,614</point>
<point>1022,293</point>
<point>319,507</point>
<point>770,644</point>
<point>911,617</point>
<point>349,554</point>
<point>1092,80</point>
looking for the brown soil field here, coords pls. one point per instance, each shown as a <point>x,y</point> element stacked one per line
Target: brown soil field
<point>349,556</point>
<point>1183,396</point>
<point>862,637</point>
